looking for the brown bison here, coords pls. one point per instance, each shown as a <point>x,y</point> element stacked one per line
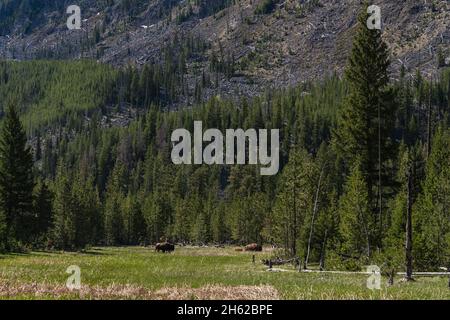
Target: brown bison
<point>164,247</point>
<point>253,247</point>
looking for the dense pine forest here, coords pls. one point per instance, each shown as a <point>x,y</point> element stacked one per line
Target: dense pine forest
<point>364,160</point>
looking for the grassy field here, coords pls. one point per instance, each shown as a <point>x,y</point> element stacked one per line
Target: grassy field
<point>188,273</point>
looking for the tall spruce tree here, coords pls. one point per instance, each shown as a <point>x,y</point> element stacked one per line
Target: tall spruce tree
<point>63,209</point>
<point>366,120</point>
<point>43,209</point>
<point>16,180</point>
<point>113,216</point>
<point>355,225</point>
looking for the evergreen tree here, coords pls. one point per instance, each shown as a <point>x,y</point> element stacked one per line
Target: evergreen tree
<point>114,219</point>
<point>86,215</point>
<point>367,117</point>
<point>16,180</point>
<point>43,199</point>
<point>183,219</point>
<point>63,209</point>
<point>320,221</point>
<point>395,237</point>
<point>76,212</point>
<point>247,215</point>
<point>134,222</point>
<point>157,215</point>
<point>219,230</point>
<point>293,203</point>
<point>431,214</point>
<point>408,178</point>
<point>3,237</point>
<point>356,226</point>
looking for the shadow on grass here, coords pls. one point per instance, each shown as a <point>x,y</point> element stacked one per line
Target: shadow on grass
<point>92,252</point>
<point>9,255</point>
<point>48,253</point>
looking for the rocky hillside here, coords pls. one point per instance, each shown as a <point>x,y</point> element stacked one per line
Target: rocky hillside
<point>247,45</point>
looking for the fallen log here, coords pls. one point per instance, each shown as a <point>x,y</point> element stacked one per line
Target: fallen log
<point>278,261</point>
<point>417,274</point>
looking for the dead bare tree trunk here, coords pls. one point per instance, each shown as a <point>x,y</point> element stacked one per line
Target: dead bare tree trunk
<point>380,195</point>
<point>294,229</point>
<point>322,253</point>
<point>408,247</point>
<point>313,217</point>
<point>391,277</point>
<point>429,114</point>
<point>448,270</point>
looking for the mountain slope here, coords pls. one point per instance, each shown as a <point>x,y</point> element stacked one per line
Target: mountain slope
<point>294,41</point>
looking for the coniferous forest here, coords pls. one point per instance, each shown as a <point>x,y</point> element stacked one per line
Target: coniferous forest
<point>364,160</point>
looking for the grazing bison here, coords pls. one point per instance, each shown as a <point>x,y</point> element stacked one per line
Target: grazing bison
<point>253,247</point>
<point>164,247</point>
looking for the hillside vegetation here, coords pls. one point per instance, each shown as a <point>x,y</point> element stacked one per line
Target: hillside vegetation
<point>55,91</point>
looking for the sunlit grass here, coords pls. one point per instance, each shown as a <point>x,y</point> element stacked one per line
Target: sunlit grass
<point>139,272</point>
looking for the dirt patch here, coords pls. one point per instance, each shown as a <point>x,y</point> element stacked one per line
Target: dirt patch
<point>209,292</point>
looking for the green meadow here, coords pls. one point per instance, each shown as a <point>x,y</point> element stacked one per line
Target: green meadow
<point>189,273</point>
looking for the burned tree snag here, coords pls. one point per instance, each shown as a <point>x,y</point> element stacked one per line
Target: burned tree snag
<point>429,124</point>
<point>408,247</point>
<point>322,253</point>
